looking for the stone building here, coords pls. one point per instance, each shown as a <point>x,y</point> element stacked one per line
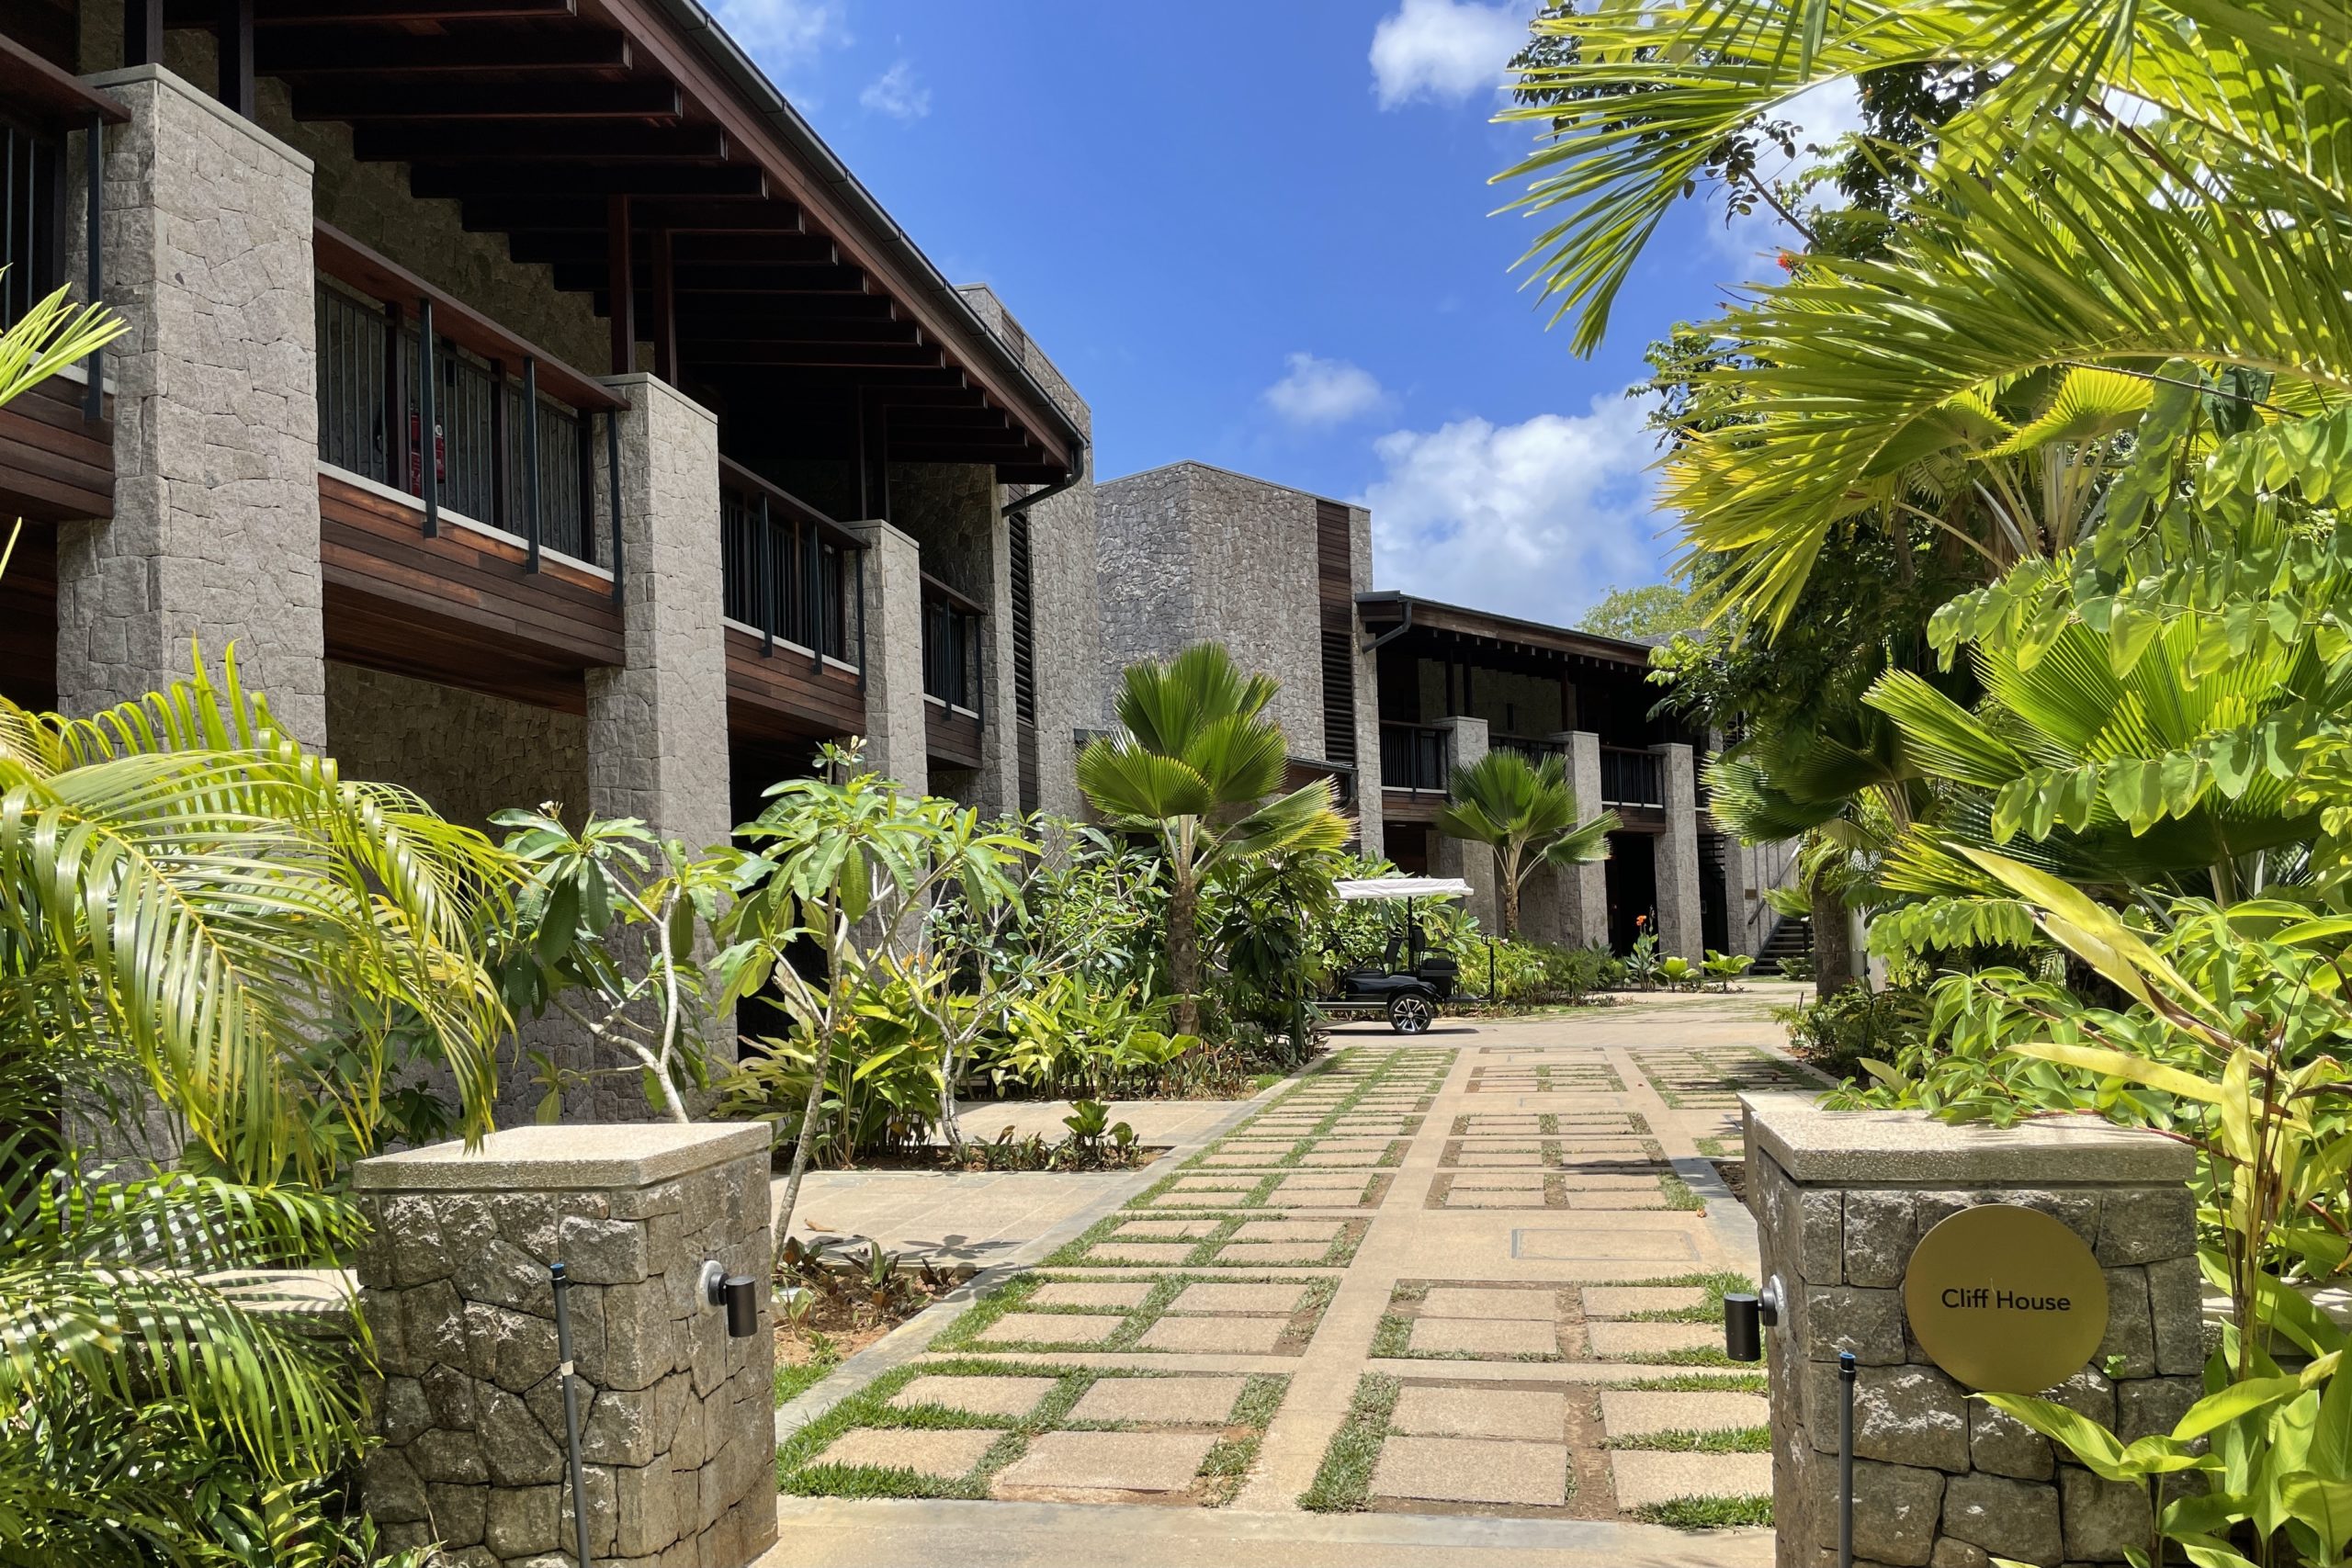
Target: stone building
<point>615,455</point>
<point>1389,694</point>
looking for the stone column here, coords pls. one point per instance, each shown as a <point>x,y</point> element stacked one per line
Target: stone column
<point>214,538</point>
<point>677,1425</point>
<point>1584,892</point>
<point>1465,742</point>
<point>1370,835</point>
<point>1940,1478</point>
<point>657,723</point>
<point>1680,928</point>
<point>897,733</point>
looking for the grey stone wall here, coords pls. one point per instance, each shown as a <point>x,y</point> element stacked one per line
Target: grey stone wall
<point>1066,640</point>
<point>467,753</point>
<point>950,510</point>
<point>676,1420</point>
<point>215,533</point>
<point>1941,1478</point>
<point>895,731</point>
<point>657,724</point>
<point>1473,863</point>
<point>1680,928</point>
<point>1370,838</point>
<point>1191,554</point>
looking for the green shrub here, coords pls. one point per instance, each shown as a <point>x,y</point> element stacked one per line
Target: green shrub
<point>881,1087</point>
<point>1836,1032</point>
<point>1530,972</point>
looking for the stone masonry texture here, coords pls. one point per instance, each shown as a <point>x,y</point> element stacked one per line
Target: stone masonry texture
<point>676,1423</point>
<point>1941,1477</point>
<point>894,729</point>
<point>950,510</point>
<point>214,539</point>
<point>1680,931</point>
<point>1191,554</point>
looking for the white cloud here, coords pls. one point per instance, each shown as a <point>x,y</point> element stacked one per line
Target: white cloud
<point>1446,49</point>
<point>783,33</point>
<point>1536,519</point>
<point>896,93</point>
<point>1324,391</point>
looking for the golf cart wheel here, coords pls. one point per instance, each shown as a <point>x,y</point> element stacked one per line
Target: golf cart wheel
<point>1411,1013</point>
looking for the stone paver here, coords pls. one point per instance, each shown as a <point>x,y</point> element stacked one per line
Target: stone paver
<point>1472,1469</point>
<point>1122,1461</point>
<point>1652,1338</point>
<point>1216,1336</point>
<point>1462,1300</point>
<point>1194,1402</point>
<point>1284,1298</point>
<point>1482,1337</point>
<point>1643,1479</point>
<point>1528,1414</point>
<point>947,1454</point>
<point>1051,1327</point>
<point>979,1396</point>
<point>1089,1293</point>
<point>1635,1413</point>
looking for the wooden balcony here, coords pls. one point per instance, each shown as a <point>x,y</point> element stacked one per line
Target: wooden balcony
<point>955,709</point>
<point>794,625</point>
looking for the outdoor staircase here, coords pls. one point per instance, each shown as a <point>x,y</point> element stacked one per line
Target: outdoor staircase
<point>1791,938</point>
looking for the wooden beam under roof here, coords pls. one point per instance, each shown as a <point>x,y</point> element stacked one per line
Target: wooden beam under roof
<point>600,142</point>
<point>696,352</point>
<point>743,181</point>
<point>298,13</point>
<point>542,213</point>
<point>550,246</point>
<point>318,50</point>
<point>641,98</point>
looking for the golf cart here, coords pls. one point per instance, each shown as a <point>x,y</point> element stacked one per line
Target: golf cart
<point>1407,984</point>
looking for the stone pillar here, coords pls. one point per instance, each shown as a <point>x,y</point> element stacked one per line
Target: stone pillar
<point>1370,831</point>
<point>657,723</point>
<point>1584,892</point>
<point>1465,742</point>
<point>214,538</point>
<point>1940,1478</point>
<point>1680,931</point>
<point>897,733</point>
<point>677,1425</point>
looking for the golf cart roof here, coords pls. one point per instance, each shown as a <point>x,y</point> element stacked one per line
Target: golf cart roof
<point>1403,887</point>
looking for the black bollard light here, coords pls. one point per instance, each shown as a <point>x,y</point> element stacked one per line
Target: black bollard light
<point>1742,1328</point>
<point>1845,1462</point>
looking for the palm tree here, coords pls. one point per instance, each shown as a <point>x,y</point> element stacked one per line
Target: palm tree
<point>2148,193</point>
<point>1527,814</point>
<point>1194,757</point>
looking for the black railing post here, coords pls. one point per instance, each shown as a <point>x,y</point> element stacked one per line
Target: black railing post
<point>613,478</point>
<point>428,420</point>
<point>501,466</point>
<point>815,598</point>
<point>980,670</point>
<point>764,550</point>
<point>533,530</point>
<point>94,397</point>
<point>861,619</point>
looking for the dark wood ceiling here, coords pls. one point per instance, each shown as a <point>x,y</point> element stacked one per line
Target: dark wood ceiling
<point>600,141</point>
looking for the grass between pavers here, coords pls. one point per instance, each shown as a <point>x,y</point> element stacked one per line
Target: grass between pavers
<point>1713,1148</point>
<point>1734,1440</point>
<point>1697,1383</point>
<point>792,1381</point>
<point>1225,1465</point>
<point>1072,1254</point>
<point>1679,1196</point>
<point>1707,1513</point>
<point>1343,1481</point>
<point>1015,1295</point>
<point>1716,1285</point>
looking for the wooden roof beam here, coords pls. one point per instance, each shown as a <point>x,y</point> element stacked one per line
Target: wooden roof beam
<point>365,99</point>
<point>308,51</point>
<point>618,141</point>
<point>553,247</point>
<point>464,180</point>
<point>300,13</point>
<point>891,357</point>
<point>559,214</point>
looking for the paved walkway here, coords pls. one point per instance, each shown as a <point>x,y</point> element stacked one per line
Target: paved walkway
<point>1448,1300</point>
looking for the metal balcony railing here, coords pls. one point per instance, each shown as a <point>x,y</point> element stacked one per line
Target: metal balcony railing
<point>1413,757</point>
<point>791,572</point>
<point>952,647</point>
<point>1533,748</point>
<point>1630,778</point>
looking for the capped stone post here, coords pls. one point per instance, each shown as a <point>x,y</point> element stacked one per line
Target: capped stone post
<point>2071,1273</point>
<point>676,1419</point>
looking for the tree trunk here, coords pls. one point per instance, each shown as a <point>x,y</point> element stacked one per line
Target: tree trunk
<point>1508,866</point>
<point>1833,943</point>
<point>808,1114</point>
<point>1184,952</point>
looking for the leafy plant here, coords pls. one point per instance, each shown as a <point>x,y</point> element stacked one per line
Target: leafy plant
<point>1527,814</point>
<point>1643,965</point>
<point>1676,974</point>
<point>1191,765</point>
<point>1726,967</point>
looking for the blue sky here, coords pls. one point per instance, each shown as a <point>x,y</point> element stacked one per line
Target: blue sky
<point>1259,235</point>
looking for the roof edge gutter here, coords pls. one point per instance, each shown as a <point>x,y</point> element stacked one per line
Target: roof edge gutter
<point>1046,493</point>
<point>723,51</point>
<point>1393,633</point>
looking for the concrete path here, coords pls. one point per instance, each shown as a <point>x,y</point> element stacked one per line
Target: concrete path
<point>1449,1300</point>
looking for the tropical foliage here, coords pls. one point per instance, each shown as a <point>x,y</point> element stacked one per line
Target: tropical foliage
<point>1192,765</point>
<point>1526,812</point>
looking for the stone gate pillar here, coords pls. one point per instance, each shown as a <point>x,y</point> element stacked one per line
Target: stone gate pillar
<point>1942,1479</point>
<point>1465,742</point>
<point>897,725</point>
<point>677,1422</point>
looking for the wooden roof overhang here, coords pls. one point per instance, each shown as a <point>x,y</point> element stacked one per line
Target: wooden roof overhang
<point>630,146</point>
<point>1501,642</point>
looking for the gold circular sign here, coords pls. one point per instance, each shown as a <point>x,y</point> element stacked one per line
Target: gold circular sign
<point>2006,1299</point>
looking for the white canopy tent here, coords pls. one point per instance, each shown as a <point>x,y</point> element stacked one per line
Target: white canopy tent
<point>1402,888</point>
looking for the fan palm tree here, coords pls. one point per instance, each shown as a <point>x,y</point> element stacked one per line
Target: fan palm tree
<point>1192,761</point>
<point>1527,814</point>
